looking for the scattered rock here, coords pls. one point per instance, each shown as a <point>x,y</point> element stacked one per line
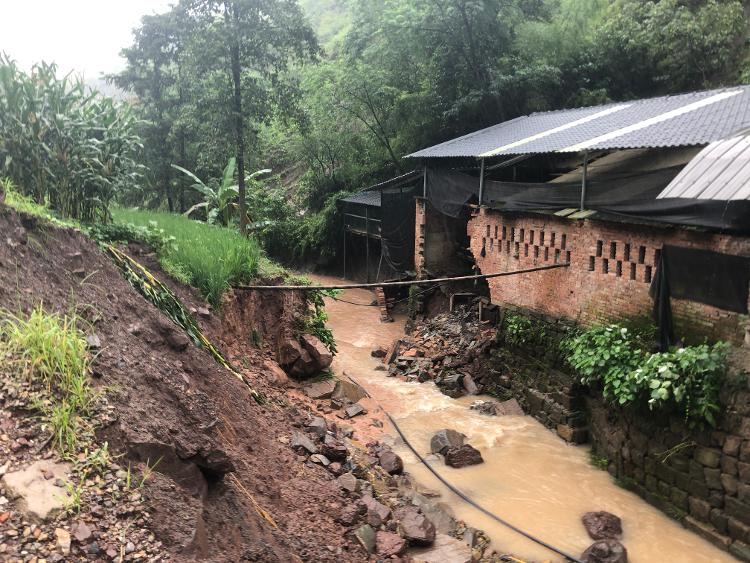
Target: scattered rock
<point>93,342</point>
<point>366,536</point>
<point>445,550</point>
<point>82,532</point>
<point>348,390</point>
<point>484,407</point>
<point>462,456</point>
<point>300,442</point>
<point>389,544</point>
<point>320,389</point>
<point>318,352</point>
<point>444,439</point>
<point>204,312</point>
<point>602,525</point>
<point>318,426</point>
<point>348,515</point>
<point>377,513</point>
<point>277,375</point>
<point>509,407</point>
<point>379,352</point>
<point>334,449</point>
<point>391,463</point>
<point>415,527</point>
<point>288,353</point>
<point>320,459</point>
<point>178,341</point>
<point>39,497</point>
<point>63,540</point>
<point>469,385</point>
<point>348,482</point>
<point>605,551</point>
<point>354,410</point>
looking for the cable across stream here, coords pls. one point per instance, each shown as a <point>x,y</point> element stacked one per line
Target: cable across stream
<point>463,496</point>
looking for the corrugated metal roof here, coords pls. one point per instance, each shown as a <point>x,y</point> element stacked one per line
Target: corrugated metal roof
<point>721,171</point>
<point>371,198</point>
<point>397,181</point>
<point>696,118</point>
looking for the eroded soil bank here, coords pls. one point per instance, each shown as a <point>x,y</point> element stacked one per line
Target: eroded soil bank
<point>530,476</point>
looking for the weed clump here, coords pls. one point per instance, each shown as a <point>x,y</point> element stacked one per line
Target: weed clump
<point>49,354</point>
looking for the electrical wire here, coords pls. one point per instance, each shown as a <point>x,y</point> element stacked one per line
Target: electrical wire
<point>463,496</point>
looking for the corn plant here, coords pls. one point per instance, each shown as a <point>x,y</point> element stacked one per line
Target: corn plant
<point>63,144</point>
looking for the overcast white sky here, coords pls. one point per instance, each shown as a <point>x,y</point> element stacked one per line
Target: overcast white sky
<point>81,35</point>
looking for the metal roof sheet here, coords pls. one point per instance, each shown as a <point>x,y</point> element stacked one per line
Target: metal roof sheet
<point>695,118</point>
<point>364,198</point>
<point>721,171</point>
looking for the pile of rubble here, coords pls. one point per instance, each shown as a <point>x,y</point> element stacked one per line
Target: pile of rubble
<point>448,349</point>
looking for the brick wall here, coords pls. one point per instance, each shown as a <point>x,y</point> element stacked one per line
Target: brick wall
<point>610,273</point>
<point>419,235</point>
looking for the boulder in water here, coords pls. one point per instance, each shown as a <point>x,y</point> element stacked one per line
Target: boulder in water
<point>444,439</point>
<point>602,525</point>
<point>462,456</point>
<point>605,551</point>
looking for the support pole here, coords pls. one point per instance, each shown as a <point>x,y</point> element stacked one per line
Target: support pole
<point>424,182</point>
<point>481,183</point>
<point>367,243</point>
<point>345,233</point>
<point>583,178</point>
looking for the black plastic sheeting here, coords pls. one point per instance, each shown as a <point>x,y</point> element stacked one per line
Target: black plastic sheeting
<point>703,276</point>
<point>397,229</point>
<point>631,197</point>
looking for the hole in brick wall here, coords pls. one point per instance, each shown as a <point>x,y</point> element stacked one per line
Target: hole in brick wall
<point>488,231</point>
<point>613,250</point>
<point>557,256</point>
<point>647,275</point>
<point>505,232</point>
<point>632,271</point>
<point>421,229</point>
<point>507,246</point>
<point>541,237</point>
<point>517,249</point>
<point>552,239</point>
<point>495,231</point>
<point>546,253</point>
<point>523,233</point>
<point>605,266</point>
<point>512,233</point>
<point>526,249</point>
<point>592,263</point>
<point>567,256</point>
<point>531,236</point>
<point>618,269</point>
<point>641,254</point>
<point>536,252</point>
<point>626,252</point>
<point>657,256</point>
<point>599,248</point>
<point>492,244</point>
<point>563,241</point>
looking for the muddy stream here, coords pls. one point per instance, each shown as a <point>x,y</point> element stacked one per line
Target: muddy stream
<point>530,477</point>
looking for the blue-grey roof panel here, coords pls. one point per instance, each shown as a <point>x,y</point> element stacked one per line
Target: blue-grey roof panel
<point>364,198</point>
<point>689,119</point>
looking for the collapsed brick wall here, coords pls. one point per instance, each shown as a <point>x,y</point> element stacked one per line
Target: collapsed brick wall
<point>441,245</point>
<point>610,272</point>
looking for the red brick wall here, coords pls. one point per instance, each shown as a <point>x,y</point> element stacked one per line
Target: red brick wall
<point>419,235</point>
<point>610,272</point>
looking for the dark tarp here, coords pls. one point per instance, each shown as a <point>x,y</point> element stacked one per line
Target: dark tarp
<point>704,276</point>
<point>397,228</point>
<point>632,196</point>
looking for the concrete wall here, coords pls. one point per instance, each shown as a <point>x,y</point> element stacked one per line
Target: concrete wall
<point>610,273</point>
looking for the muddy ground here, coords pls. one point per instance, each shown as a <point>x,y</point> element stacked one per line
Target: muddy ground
<point>221,453</point>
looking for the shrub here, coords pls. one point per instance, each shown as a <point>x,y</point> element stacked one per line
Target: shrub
<point>687,378</point>
<point>521,330</point>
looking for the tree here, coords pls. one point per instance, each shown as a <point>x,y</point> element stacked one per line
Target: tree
<point>254,41</point>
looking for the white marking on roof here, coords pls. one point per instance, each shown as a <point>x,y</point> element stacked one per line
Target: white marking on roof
<point>549,132</point>
<point>651,121</point>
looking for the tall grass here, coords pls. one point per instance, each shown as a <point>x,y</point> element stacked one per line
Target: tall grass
<point>208,257</point>
<point>50,352</point>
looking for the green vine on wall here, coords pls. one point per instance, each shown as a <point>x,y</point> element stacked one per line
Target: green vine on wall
<point>520,330</point>
<point>315,321</point>
<point>688,378</point>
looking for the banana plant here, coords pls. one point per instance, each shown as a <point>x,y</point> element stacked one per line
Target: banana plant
<point>219,203</point>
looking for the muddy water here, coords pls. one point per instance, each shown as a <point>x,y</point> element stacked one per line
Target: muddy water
<point>530,477</point>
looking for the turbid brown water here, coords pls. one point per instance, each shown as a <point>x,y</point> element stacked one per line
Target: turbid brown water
<point>530,477</point>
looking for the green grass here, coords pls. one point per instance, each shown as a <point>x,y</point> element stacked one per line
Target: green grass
<point>50,352</point>
<point>208,257</point>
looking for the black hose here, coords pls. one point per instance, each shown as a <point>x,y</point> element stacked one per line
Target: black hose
<point>466,498</point>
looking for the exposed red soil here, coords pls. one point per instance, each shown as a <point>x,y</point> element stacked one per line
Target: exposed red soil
<point>182,407</point>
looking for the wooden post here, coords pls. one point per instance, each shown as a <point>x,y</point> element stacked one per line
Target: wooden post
<point>345,233</point>
<point>583,178</point>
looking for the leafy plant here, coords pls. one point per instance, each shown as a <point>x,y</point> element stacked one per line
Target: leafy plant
<point>520,330</point>
<point>688,378</point>
<point>219,196</point>
<point>315,321</point>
